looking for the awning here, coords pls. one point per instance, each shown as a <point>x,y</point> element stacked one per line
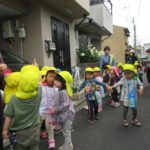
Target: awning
<point>89,26</point>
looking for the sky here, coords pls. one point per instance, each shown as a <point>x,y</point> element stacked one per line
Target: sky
<point>123,13</point>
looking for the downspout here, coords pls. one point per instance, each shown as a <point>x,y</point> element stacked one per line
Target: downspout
<point>106,38</point>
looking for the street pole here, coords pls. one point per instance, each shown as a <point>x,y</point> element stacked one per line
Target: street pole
<point>134,29</point>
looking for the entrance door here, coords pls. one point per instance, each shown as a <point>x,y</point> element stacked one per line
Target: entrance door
<point>60,36</point>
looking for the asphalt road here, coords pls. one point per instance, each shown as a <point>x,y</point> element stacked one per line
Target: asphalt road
<point>108,133</point>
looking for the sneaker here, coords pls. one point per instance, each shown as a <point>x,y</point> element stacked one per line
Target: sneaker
<point>117,104</point>
<point>96,118</point>
<point>91,121</point>
<point>112,103</point>
<point>70,147</point>
<point>51,144</point>
<point>44,135</point>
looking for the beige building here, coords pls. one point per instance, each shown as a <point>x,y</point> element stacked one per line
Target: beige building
<point>50,30</point>
<point>118,43</point>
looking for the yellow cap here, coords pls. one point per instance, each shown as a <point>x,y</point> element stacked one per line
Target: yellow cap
<point>29,80</point>
<point>119,64</point>
<point>108,66</point>
<point>68,78</point>
<point>11,87</point>
<point>89,70</point>
<point>128,67</point>
<point>136,63</point>
<point>97,69</point>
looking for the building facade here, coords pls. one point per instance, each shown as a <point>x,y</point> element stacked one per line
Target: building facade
<point>49,30</point>
<point>118,43</point>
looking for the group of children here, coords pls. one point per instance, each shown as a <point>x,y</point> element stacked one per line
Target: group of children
<point>33,97</point>
<point>126,79</point>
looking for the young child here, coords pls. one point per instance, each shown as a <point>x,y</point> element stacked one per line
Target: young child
<point>63,110</point>
<point>22,111</point>
<point>99,93</point>
<point>129,83</point>
<point>140,72</point>
<point>113,80</point>
<point>49,93</point>
<point>89,85</point>
<point>120,67</point>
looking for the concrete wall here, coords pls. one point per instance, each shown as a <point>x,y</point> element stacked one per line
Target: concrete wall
<point>85,4</point>
<point>46,13</point>
<point>32,44</point>
<point>117,43</point>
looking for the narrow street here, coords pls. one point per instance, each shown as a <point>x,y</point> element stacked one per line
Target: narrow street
<point>108,133</point>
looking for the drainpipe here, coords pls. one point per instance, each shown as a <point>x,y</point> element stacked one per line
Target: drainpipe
<point>106,38</point>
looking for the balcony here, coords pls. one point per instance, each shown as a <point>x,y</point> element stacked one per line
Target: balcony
<point>73,9</point>
<point>98,22</point>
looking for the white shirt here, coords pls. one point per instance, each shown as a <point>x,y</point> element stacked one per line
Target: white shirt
<point>48,98</point>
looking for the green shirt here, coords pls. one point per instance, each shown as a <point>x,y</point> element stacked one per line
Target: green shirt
<point>25,113</point>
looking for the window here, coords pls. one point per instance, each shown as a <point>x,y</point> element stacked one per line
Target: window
<point>83,40</point>
<point>93,2</point>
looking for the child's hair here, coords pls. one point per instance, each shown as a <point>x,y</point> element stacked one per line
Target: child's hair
<point>90,72</point>
<point>49,71</point>
<point>139,66</point>
<point>59,78</point>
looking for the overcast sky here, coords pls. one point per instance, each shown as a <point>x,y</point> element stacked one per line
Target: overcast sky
<point>125,10</point>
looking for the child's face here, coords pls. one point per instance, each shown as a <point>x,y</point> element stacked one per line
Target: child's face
<point>97,73</point>
<point>129,75</point>
<point>112,73</point>
<point>58,84</point>
<point>89,75</point>
<point>50,78</point>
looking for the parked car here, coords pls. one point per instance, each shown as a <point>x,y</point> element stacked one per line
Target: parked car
<point>13,62</point>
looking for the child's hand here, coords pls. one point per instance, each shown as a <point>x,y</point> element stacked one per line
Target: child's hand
<point>35,63</point>
<point>5,134</point>
<point>77,94</point>
<point>140,91</point>
<point>52,110</point>
<point>3,67</point>
<point>108,87</point>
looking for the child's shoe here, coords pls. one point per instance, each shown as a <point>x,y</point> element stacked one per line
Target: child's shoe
<point>125,123</point>
<point>91,121</point>
<point>70,147</point>
<point>136,122</point>
<point>51,144</point>
<point>44,135</point>
<point>112,103</point>
<point>117,104</point>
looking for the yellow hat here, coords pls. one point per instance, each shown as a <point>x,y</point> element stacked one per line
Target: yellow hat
<point>108,66</point>
<point>136,63</point>
<point>128,67</point>
<point>68,78</point>
<point>11,87</point>
<point>29,80</point>
<point>119,64</point>
<point>89,70</point>
<point>97,69</point>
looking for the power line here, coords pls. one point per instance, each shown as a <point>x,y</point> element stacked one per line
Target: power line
<point>138,12</point>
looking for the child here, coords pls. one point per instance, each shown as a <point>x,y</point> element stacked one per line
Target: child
<point>106,73</point>
<point>140,72</point>
<point>49,93</point>
<point>114,79</point>
<point>22,111</point>
<point>89,84</point>
<point>100,90</point>
<point>63,110</point>
<point>128,95</point>
<point>120,67</point>
<point>3,67</point>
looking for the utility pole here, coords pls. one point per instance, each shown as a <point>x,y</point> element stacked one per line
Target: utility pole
<point>134,29</point>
